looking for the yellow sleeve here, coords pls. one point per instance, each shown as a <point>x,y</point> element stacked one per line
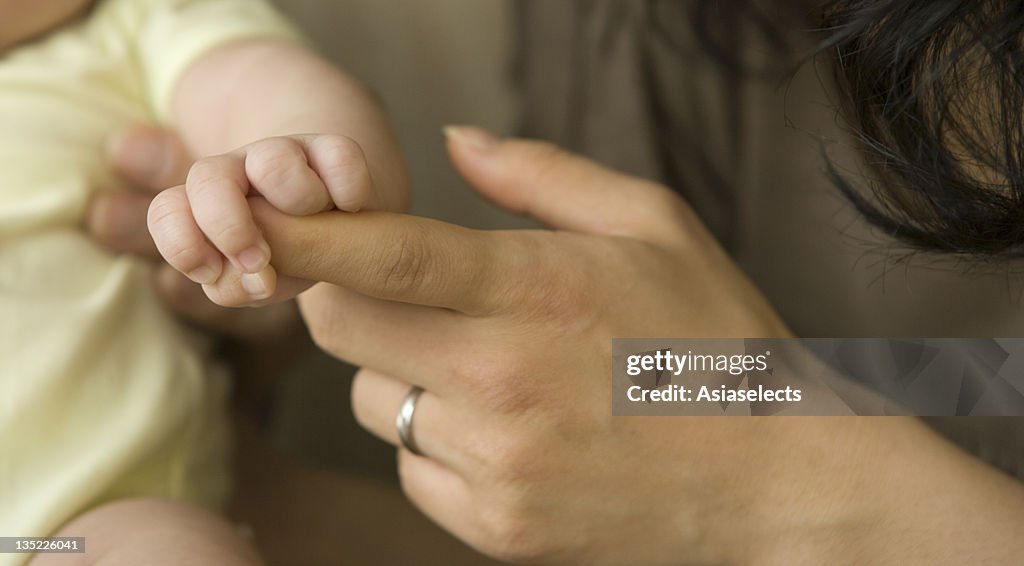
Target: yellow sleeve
<point>170,35</point>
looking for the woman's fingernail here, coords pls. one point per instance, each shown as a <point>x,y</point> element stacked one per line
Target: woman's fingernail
<point>254,284</point>
<point>254,259</point>
<point>204,275</point>
<point>471,136</point>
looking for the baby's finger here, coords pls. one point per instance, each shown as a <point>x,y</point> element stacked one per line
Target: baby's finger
<point>185,298</point>
<point>341,163</point>
<point>217,189</point>
<point>179,239</point>
<point>278,169</point>
<point>237,289</point>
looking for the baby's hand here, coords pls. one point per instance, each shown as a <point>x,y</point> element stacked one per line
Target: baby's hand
<point>199,225</point>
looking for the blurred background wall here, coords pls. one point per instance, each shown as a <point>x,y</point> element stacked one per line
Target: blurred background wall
<point>432,63</point>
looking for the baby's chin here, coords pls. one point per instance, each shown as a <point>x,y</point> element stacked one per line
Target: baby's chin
<point>24,21</point>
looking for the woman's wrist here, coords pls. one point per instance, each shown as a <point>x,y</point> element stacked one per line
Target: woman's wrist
<point>802,498</point>
<point>929,497</point>
<point>880,490</point>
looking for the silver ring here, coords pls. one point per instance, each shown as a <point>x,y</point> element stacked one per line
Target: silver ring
<point>403,422</point>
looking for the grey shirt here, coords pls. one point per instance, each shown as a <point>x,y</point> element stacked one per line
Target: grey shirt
<point>628,82</point>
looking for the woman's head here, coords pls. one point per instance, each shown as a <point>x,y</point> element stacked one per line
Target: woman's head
<point>934,92</point>
<point>22,20</point>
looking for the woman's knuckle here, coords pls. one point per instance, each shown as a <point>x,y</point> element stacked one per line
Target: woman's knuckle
<point>545,159</point>
<point>320,333</point>
<point>510,534</point>
<point>502,382</point>
<point>540,275</point>
<point>325,330</point>
<point>514,394</point>
<point>562,303</point>
<point>674,216</point>
<point>409,480</point>
<point>661,200</point>
<point>405,477</point>
<point>359,409</point>
<point>561,293</point>
<point>403,266</point>
<point>678,213</point>
<point>515,461</point>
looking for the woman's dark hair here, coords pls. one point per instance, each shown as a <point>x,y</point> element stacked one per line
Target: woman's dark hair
<point>934,92</point>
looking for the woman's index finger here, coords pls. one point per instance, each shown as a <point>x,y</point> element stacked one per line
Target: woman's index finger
<point>390,256</point>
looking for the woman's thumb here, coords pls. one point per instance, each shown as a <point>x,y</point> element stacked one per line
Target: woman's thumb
<point>561,189</point>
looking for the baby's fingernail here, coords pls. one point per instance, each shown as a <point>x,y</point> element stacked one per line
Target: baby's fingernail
<point>471,136</point>
<point>204,275</point>
<point>254,259</point>
<point>254,284</point>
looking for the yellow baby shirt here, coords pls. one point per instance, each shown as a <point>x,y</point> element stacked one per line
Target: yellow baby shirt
<point>103,394</point>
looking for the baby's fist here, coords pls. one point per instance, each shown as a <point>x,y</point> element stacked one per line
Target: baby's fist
<point>199,225</point>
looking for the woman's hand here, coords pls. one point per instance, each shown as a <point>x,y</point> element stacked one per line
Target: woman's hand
<point>509,333</point>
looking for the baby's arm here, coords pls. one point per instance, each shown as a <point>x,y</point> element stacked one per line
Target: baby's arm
<point>324,143</point>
